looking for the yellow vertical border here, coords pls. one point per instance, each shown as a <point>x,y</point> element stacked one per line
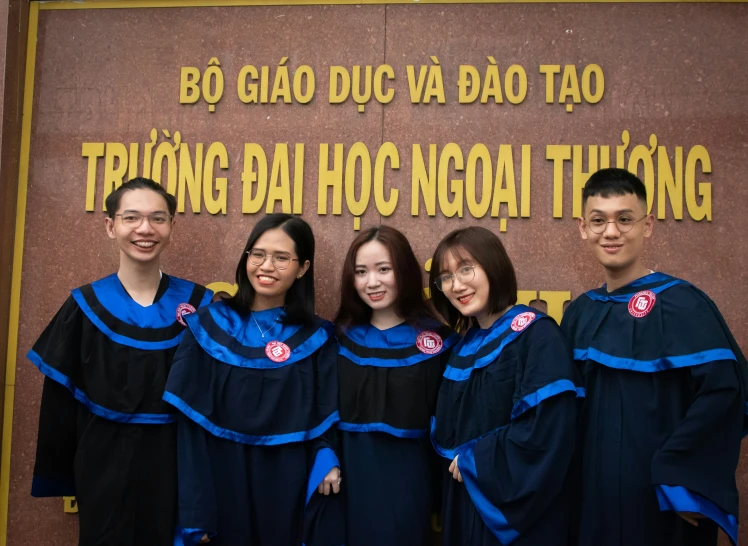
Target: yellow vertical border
<point>15,288</point>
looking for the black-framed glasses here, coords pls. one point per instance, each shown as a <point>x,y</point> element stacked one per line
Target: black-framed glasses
<point>135,219</point>
<point>279,261</point>
<point>623,223</point>
<point>466,273</point>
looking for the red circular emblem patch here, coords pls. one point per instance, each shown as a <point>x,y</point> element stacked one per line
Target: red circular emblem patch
<point>429,343</point>
<point>182,310</point>
<point>641,303</point>
<point>277,351</point>
<point>522,321</point>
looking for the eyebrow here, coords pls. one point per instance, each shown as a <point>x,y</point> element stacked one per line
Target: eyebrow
<point>378,263</point>
<point>461,263</point>
<point>136,210</point>
<point>616,212</point>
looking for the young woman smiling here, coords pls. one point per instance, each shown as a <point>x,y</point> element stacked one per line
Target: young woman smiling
<point>506,412</point>
<point>254,380</point>
<point>391,355</point>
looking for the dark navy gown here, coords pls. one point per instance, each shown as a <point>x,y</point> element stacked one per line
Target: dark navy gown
<point>389,380</point>
<point>105,435</point>
<point>664,414</point>
<point>507,408</point>
<point>256,429</point>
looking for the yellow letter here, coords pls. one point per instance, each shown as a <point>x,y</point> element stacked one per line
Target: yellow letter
<point>214,206</point>
<point>558,153</point>
<point>449,208</point>
<point>421,182</point>
<point>505,171</point>
<point>93,151</point>
<point>698,154</point>
<point>280,192</point>
<point>113,176</point>
<point>479,152</point>
<point>193,179</point>
<point>330,178</point>
<point>252,152</point>
<point>189,92</point>
<point>387,151</point>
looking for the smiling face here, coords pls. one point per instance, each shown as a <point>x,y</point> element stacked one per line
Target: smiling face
<point>374,276</point>
<point>618,250</point>
<point>470,290</point>
<point>142,243</point>
<point>269,281</point>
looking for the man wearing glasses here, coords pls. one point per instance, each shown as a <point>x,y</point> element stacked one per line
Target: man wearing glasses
<point>105,435</point>
<point>666,388</point>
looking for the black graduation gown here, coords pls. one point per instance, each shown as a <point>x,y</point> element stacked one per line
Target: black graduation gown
<point>255,434</point>
<point>105,435</point>
<point>389,380</point>
<point>507,408</point>
<point>663,417</point>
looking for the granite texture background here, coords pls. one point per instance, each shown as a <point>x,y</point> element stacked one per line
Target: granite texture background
<point>679,71</point>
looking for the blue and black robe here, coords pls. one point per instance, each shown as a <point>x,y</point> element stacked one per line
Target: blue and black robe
<point>258,403</point>
<point>507,409</point>
<point>663,417</point>
<point>389,380</point>
<point>105,434</point>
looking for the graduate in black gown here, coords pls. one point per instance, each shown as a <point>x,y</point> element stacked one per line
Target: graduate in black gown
<point>665,380</point>
<point>507,412</point>
<point>391,356</point>
<point>255,382</point>
<point>105,435</point>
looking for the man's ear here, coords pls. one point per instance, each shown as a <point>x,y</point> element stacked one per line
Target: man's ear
<point>109,225</point>
<point>649,223</point>
<point>582,228</point>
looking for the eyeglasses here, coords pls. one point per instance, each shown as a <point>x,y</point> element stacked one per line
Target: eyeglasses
<point>623,223</point>
<point>466,273</point>
<point>279,261</point>
<point>135,219</point>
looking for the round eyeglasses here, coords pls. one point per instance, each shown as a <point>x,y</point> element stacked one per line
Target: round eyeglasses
<point>135,219</point>
<point>279,261</point>
<point>464,274</point>
<point>623,223</point>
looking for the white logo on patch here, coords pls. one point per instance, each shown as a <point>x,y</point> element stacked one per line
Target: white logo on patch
<point>522,321</point>
<point>429,343</point>
<point>642,303</point>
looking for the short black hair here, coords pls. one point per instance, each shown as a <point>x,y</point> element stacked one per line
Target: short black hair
<point>300,297</point>
<point>486,249</point>
<point>614,182</point>
<point>139,183</point>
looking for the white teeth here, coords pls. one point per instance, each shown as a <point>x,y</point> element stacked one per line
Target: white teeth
<point>266,279</point>
<point>144,244</point>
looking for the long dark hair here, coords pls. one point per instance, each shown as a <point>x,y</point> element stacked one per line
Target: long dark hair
<point>486,250</point>
<point>300,297</point>
<point>410,303</point>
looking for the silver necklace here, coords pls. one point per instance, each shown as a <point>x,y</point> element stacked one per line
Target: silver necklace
<point>272,325</point>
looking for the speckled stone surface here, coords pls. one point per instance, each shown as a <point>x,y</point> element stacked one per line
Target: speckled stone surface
<point>679,71</point>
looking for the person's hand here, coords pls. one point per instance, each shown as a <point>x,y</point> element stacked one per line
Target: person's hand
<point>691,517</point>
<point>205,539</point>
<point>455,471</point>
<point>331,482</point>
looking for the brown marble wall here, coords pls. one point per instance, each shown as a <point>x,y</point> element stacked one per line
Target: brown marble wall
<point>676,70</point>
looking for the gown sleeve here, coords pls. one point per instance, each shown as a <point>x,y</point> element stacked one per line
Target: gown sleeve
<point>324,521</point>
<point>57,355</point>
<point>516,473</point>
<point>694,471</point>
